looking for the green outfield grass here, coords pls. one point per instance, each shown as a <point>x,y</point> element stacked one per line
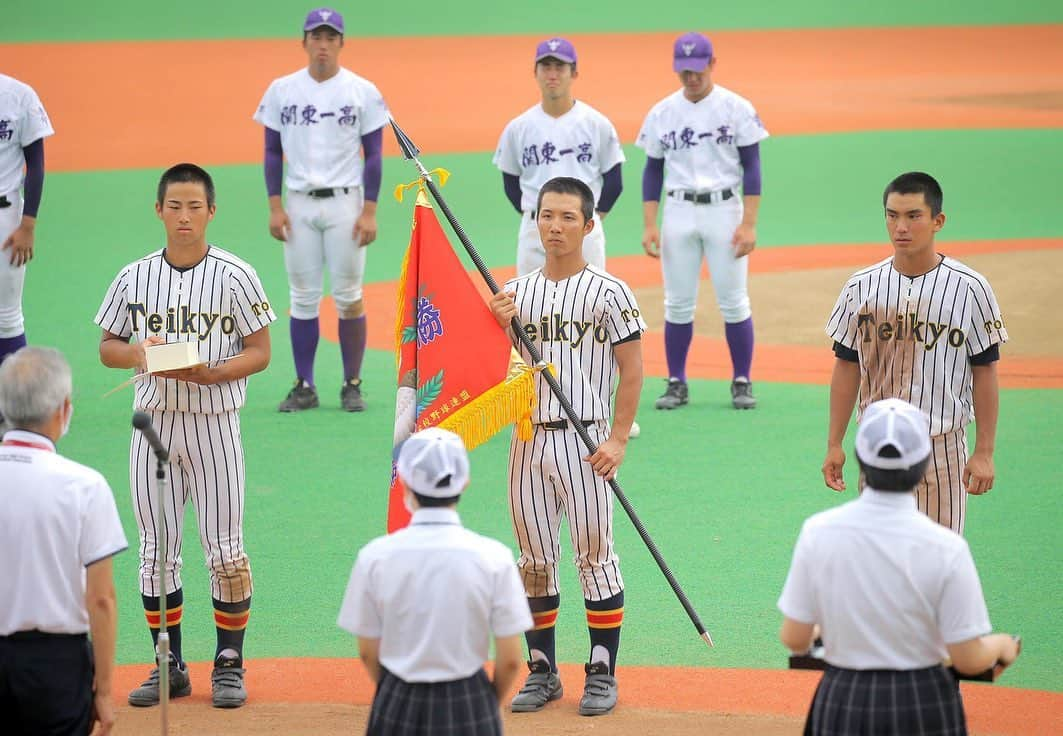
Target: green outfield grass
<point>71,20</point>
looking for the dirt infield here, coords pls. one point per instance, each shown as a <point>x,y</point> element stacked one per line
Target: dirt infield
<point>168,101</point>
<point>330,696</point>
<point>798,286</point>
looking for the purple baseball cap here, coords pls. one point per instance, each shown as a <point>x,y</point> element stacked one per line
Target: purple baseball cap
<point>323,17</point>
<point>557,48</point>
<point>693,52</point>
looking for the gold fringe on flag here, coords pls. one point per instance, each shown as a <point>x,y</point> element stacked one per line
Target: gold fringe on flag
<point>509,402</point>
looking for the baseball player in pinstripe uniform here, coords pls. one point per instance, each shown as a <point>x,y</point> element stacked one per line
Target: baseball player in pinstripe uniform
<point>323,118</point>
<point>922,327</point>
<point>23,127</point>
<point>559,136</point>
<point>708,139</point>
<point>588,326</point>
<point>191,291</point>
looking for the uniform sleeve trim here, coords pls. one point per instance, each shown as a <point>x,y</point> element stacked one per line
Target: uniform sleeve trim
<point>106,556</point>
<point>987,356</point>
<point>845,353</point>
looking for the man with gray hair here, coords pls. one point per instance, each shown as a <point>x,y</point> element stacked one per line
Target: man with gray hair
<point>59,528</point>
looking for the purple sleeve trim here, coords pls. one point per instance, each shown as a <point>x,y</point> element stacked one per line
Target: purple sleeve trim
<point>653,179</point>
<point>612,185</point>
<point>750,158</point>
<point>273,162</point>
<point>511,185</point>
<point>33,187</point>
<point>373,148</point>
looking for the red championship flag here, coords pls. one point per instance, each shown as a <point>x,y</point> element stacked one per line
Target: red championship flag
<point>457,368</point>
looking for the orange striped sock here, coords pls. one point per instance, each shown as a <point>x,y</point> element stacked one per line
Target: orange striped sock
<point>604,619</point>
<point>230,623</point>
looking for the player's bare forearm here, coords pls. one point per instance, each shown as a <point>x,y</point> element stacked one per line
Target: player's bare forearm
<point>844,387</point>
<point>745,236</point>
<point>986,406</point>
<point>979,474</point>
<point>651,234</point>
<point>118,352</point>
<point>629,365</point>
<point>797,636</point>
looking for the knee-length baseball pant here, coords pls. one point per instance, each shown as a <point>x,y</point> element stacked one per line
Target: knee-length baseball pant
<point>322,236</point>
<point>548,480</point>
<point>12,278</point>
<point>692,233</point>
<point>206,467</point>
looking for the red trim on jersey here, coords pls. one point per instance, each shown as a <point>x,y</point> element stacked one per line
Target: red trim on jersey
<point>35,445</point>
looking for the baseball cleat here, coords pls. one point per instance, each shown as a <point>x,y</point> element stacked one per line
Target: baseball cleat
<point>227,683</point>
<point>351,395</point>
<point>542,686</point>
<point>599,691</point>
<point>674,396</point>
<point>742,395</point>
<point>302,396</point>
<point>148,692</point>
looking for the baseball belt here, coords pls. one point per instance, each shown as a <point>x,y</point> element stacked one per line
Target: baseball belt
<point>4,202</point>
<point>563,424</point>
<point>702,197</point>
<point>326,193</point>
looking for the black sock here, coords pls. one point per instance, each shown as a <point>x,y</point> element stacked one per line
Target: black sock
<point>230,621</point>
<point>542,635</point>
<point>603,621</point>
<point>174,610</point>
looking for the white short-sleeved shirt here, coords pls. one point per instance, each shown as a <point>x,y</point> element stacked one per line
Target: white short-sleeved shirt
<point>699,141</point>
<point>888,586</point>
<point>434,594</point>
<point>22,121</point>
<point>57,517</point>
<point>321,126</point>
<point>538,147</point>
<point>575,323</point>
<point>215,303</point>
<point>914,336</point>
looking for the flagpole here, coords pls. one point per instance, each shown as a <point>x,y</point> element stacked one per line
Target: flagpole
<point>409,152</point>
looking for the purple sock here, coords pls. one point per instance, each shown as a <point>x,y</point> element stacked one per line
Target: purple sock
<point>676,346</point>
<point>9,345</point>
<point>740,343</point>
<point>352,346</point>
<point>305,334</point>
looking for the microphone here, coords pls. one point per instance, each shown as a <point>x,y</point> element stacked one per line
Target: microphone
<point>142,422</point>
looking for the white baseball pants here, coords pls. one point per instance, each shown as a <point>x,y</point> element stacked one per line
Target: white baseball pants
<point>12,278</point>
<point>691,232</point>
<point>322,234</point>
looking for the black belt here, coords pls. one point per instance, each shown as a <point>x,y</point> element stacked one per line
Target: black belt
<point>4,202</point>
<point>35,635</point>
<point>703,197</point>
<point>563,424</point>
<point>326,193</point>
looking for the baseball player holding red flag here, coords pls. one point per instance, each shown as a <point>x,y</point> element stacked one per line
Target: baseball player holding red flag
<point>322,118</point>
<point>587,324</point>
<point>701,143</point>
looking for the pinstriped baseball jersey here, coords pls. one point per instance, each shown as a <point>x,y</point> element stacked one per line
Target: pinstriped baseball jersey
<point>215,303</point>
<point>914,336</point>
<point>574,323</point>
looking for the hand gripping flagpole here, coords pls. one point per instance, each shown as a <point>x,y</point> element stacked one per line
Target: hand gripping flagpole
<point>409,152</point>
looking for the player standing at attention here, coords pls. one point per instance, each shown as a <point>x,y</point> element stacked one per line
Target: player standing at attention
<point>559,136</point>
<point>708,139</point>
<point>23,127</point>
<point>323,118</point>
<point>191,291</point>
<point>922,327</point>
<point>587,324</point>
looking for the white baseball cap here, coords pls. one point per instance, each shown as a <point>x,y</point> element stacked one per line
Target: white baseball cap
<point>433,463</point>
<point>897,424</point>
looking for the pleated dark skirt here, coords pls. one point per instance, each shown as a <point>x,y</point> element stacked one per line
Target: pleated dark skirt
<point>887,703</point>
<point>466,707</point>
